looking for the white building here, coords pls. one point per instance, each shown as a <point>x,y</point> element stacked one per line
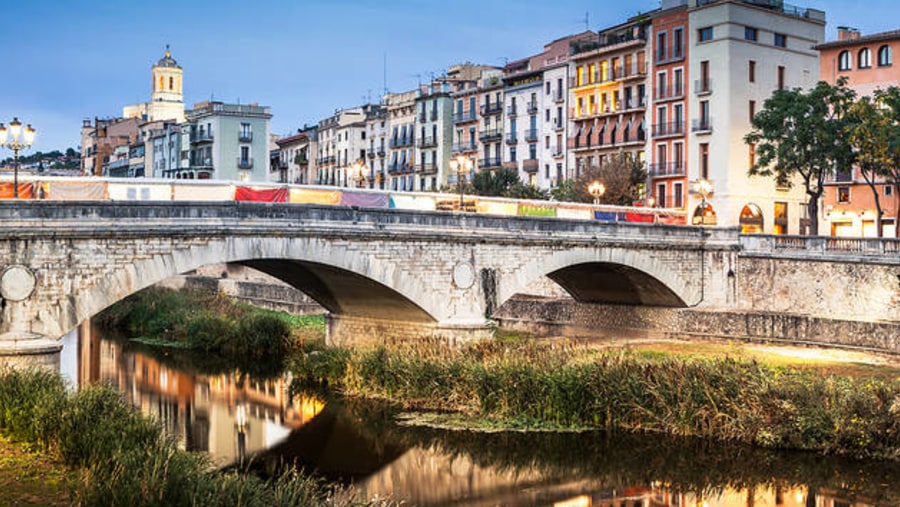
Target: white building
<point>166,97</point>
<point>228,142</point>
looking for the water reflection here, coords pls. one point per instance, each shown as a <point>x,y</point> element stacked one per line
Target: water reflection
<point>233,416</point>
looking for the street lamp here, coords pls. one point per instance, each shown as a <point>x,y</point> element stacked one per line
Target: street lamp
<point>358,173</point>
<point>703,188</point>
<point>597,190</point>
<point>461,165</point>
<point>16,139</point>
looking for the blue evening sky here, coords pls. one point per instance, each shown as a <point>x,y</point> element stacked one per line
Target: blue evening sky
<point>65,60</point>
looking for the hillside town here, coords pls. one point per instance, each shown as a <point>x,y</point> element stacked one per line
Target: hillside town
<point>674,89</point>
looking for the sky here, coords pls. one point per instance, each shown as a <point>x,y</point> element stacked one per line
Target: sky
<point>66,60</point>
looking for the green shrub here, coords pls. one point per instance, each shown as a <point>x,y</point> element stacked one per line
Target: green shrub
<point>31,402</point>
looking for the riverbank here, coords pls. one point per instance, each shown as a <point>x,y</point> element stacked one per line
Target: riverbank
<point>31,478</point>
<point>730,395</point>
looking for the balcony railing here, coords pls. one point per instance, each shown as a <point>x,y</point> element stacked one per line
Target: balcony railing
<point>557,151</point>
<point>370,152</point>
<point>668,129</point>
<point>427,142</point>
<point>427,167</point>
<point>422,117</point>
<point>325,160</point>
<point>201,137</point>
<point>703,86</point>
<point>511,111</point>
<point>495,108</point>
<point>635,103</point>
<point>398,142</point>
<point>245,163</point>
<point>668,92</point>
<point>558,123</point>
<point>635,137</point>
<point>245,137</point>
<point>559,95</point>
<point>489,163</point>
<point>531,165</point>
<point>667,169</point>
<point>531,135</point>
<point>463,117</point>
<point>512,138</point>
<point>399,168</point>
<point>532,107</point>
<point>490,135</point>
<point>464,147</point>
<point>703,125</point>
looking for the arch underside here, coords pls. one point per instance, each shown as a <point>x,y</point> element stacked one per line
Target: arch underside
<point>609,283</point>
<point>342,292</point>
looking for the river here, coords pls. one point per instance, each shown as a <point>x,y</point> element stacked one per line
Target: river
<point>233,417</point>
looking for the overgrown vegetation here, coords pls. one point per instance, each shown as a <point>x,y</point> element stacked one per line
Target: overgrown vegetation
<point>213,324</point>
<point>123,458</point>
<point>530,385</point>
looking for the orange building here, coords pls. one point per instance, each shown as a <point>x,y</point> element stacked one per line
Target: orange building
<point>867,63</point>
<point>608,95</point>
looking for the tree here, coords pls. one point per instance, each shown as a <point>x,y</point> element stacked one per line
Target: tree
<point>870,135</point>
<point>622,175</point>
<point>805,134</point>
<point>494,183</point>
<point>889,166</point>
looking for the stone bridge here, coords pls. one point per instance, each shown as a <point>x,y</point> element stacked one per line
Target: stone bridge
<point>391,274</point>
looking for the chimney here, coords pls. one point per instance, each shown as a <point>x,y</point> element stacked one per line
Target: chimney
<point>847,33</point>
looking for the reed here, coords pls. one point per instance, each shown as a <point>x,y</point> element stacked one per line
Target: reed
<point>571,387</point>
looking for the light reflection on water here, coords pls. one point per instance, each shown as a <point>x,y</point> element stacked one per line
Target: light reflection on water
<point>231,416</point>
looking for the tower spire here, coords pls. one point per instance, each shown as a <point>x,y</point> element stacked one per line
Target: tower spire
<point>168,54</point>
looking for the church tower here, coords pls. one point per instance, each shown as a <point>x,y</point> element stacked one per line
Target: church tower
<point>166,95</point>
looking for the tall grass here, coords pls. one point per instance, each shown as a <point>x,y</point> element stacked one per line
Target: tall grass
<point>123,458</point>
<point>522,384</point>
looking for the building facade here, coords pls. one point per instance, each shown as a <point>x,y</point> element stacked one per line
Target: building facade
<point>295,160</point>
<point>166,96</point>
<point>434,123</point>
<point>401,118</point>
<point>227,142</point>
<point>867,63</point>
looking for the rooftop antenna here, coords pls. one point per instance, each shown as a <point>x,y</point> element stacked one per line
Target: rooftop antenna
<point>384,75</point>
<point>587,21</point>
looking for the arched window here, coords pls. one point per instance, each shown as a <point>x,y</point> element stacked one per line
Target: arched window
<point>161,84</point>
<point>864,59</point>
<point>751,220</point>
<point>844,60</point>
<point>171,83</point>
<point>885,56</point>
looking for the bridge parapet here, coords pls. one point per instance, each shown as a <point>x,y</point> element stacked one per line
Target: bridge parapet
<point>871,250</point>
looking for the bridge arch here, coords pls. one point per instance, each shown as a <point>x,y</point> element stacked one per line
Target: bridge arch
<point>607,275</point>
<point>344,280</point>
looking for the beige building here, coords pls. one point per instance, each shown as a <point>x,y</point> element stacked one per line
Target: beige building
<point>166,97</point>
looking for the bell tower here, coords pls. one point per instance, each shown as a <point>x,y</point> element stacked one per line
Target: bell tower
<point>167,97</point>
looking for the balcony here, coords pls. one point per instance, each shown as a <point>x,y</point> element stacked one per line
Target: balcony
<point>325,160</point>
<point>531,135</point>
<point>380,152</point>
<point>399,142</point>
<point>559,95</point>
<point>558,124</point>
<point>512,138</point>
<point>558,152</point>
<point>427,168</point>
<point>673,55</point>
<point>487,136</point>
<point>703,86</point>
<point>464,117</point>
<point>489,163</point>
<point>530,165</point>
<point>434,115</point>
<point>201,137</point>
<point>245,163</point>
<point>511,111</point>
<point>668,129</point>
<point>702,126</point>
<point>245,137</point>
<point>532,107</point>
<point>464,147</point>
<point>422,117</point>
<point>510,165</point>
<point>635,103</point>
<point>370,153</point>
<point>427,142</point>
<point>634,137</point>
<point>668,93</point>
<point>667,169</point>
<point>399,168</point>
<point>489,109</point>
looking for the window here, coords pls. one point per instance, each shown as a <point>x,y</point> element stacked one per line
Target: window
<point>750,33</point>
<point>245,155</point>
<point>844,60</point>
<point>781,218</point>
<point>678,81</point>
<point>705,34</point>
<point>678,195</point>
<point>864,59</point>
<point>752,110</point>
<point>661,46</point>
<point>888,191</point>
<point>512,153</point>
<point>843,195</point>
<point>780,40</point>
<point>751,71</point>
<point>885,56</point>
<point>704,160</point>
<point>661,85</point>
<point>678,42</point>
<point>781,77</point>
<point>171,83</point>
<point>246,134</point>
<point>661,195</point>
<point>547,86</point>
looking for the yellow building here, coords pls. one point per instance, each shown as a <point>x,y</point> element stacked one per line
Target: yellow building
<point>166,97</point>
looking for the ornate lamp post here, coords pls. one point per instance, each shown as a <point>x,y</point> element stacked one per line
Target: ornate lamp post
<point>15,138</point>
<point>358,173</point>
<point>651,203</point>
<point>703,188</point>
<point>597,190</point>
<point>461,165</point>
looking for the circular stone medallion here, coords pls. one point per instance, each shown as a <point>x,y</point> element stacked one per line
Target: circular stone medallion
<point>16,283</point>
<point>463,275</point>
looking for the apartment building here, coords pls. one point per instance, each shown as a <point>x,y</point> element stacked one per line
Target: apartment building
<point>867,63</point>
<point>735,53</point>
<point>522,100</point>
<point>294,160</point>
<point>490,128</point>
<point>335,147</point>
<point>401,118</point>
<point>434,123</point>
<point>608,96</point>
<point>227,142</point>
<point>470,84</point>
<point>100,138</point>
<point>377,128</point>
